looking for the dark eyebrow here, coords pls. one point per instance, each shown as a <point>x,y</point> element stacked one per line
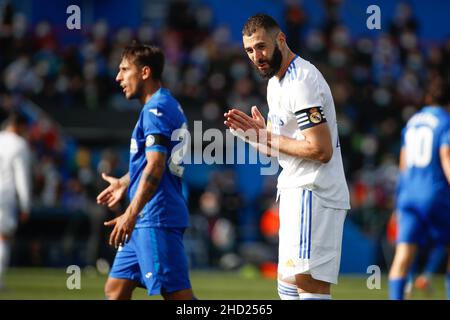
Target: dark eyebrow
<point>258,44</point>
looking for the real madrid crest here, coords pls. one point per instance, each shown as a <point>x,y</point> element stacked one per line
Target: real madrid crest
<point>314,115</point>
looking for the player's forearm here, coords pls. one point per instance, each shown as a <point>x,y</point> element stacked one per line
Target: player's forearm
<point>300,148</point>
<point>149,182</point>
<point>259,143</point>
<point>125,180</point>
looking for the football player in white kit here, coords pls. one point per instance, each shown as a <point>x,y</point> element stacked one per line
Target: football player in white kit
<point>302,131</point>
<point>14,183</point>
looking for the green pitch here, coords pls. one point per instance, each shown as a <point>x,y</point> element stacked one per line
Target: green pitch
<point>31,283</point>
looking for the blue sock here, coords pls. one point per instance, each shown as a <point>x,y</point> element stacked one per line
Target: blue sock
<point>448,285</point>
<point>396,288</point>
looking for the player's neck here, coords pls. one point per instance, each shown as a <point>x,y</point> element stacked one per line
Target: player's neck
<point>288,56</point>
<point>14,130</point>
<point>149,91</point>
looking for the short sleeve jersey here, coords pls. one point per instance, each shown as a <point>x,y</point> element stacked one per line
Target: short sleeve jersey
<point>159,118</point>
<point>424,179</point>
<point>297,101</point>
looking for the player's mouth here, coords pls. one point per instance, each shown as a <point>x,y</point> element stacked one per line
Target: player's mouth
<point>262,65</point>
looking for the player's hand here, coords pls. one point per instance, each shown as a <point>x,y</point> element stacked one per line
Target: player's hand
<point>113,193</point>
<point>123,227</point>
<point>238,120</point>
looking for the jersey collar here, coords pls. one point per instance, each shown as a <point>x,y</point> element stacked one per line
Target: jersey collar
<point>285,71</point>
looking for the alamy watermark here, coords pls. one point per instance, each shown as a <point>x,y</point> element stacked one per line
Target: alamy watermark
<point>374,20</point>
<point>374,280</point>
<point>74,280</point>
<point>221,148</point>
<point>74,20</point>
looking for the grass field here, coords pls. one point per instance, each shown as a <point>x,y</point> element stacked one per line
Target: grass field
<point>44,284</point>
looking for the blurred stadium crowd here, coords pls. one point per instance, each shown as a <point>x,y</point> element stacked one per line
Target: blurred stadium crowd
<point>376,83</point>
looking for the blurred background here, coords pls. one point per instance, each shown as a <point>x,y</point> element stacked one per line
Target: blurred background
<point>63,81</point>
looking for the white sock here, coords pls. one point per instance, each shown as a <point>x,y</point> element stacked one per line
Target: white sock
<point>314,296</point>
<point>287,291</point>
<point>4,258</point>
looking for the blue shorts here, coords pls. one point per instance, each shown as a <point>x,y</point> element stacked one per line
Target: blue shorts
<point>155,258</point>
<point>416,225</point>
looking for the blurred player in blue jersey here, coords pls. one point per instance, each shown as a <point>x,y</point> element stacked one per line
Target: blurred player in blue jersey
<point>435,257</point>
<point>423,199</point>
<point>149,234</point>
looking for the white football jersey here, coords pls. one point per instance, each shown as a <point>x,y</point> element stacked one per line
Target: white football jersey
<point>290,100</point>
<point>14,172</point>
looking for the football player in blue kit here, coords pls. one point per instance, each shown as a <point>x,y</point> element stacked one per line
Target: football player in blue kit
<point>149,234</point>
<point>423,195</point>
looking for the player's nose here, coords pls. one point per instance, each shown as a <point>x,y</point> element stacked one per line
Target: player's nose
<point>257,56</point>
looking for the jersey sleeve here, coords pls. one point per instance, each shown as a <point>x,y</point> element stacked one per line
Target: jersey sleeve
<point>306,94</point>
<point>307,104</point>
<point>157,129</point>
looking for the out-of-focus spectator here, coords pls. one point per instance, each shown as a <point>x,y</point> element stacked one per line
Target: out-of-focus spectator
<point>376,83</point>
<point>295,19</point>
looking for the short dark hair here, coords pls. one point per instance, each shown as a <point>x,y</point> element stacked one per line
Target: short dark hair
<point>145,55</point>
<point>260,20</point>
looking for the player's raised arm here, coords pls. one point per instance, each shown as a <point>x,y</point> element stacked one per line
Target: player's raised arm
<point>252,130</point>
<point>148,183</point>
<point>316,145</point>
<point>115,191</point>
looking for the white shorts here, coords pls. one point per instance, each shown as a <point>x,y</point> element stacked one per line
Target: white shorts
<point>8,220</point>
<point>310,236</point>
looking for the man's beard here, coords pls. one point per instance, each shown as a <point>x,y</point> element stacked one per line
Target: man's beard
<point>137,93</point>
<point>274,64</point>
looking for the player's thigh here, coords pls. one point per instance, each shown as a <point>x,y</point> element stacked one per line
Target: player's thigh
<point>309,229</point>
<point>310,237</point>
<point>163,261</point>
<point>412,226</point>
<point>291,211</point>
<point>125,266</point>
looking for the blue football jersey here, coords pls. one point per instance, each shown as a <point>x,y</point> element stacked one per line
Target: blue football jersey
<point>423,183</point>
<point>161,115</point>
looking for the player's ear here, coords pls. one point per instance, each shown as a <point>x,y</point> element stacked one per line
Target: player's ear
<point>281,39</point>
<point>146,73</point>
